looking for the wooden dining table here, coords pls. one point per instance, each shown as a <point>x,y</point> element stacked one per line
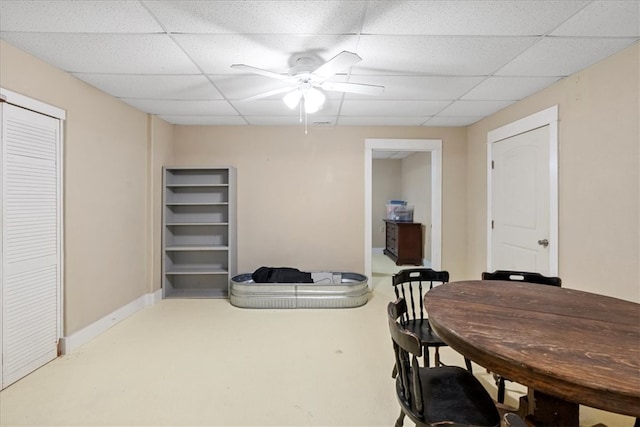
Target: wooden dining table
<point>568,346</point>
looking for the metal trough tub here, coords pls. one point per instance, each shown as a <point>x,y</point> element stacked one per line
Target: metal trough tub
<point>329,290</point>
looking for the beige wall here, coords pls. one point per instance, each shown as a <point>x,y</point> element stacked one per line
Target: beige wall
<point>416,190</point>
<point>159,154</point>
<point>599,183</point>
<point>301,197</point>
<point>386,184</point>
<point>105,188</point>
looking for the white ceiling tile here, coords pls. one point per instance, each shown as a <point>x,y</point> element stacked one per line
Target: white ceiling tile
<point>278,108</point>
<point>605,18</point>
<point>259,17</point>
<point>312,121</point>
<point>392,108</point>
<point>474,108</point>
<point>555,56</point>
<point>457,17</point>
<point>153,86</point>
<point>216,53</point>
<point>204,120</point>
<point>182,108</point>
<point>416,87</point>
<point>447,121</point>
<point>508,88</point>
<point>68,16</point>
<point>244,86</point>
<point>106,53</point>
<point>380,121</point>
<point>437,56</point>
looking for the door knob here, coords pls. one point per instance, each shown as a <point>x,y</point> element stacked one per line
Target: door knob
<point>544,243</point>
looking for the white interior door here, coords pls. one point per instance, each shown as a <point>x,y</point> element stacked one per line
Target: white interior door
<point>520,191</point>
<point>31,244</point>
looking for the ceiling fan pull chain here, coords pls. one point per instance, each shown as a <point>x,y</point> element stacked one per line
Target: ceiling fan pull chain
<point>300,111</point>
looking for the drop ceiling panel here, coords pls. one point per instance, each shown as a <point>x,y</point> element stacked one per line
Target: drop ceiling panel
<point>76,16</point>
<point>508,88</point>
<point>278,108</point>
<point>474,108</point>
<point>204,120</point>
<point>448,121</point>
<point>467,17</point>
<point>152,87</point>
<point>106,53</point>
<point>553,56</point>
<point>440,56</point>
<point>381,121</point>
<point>416,87</point>
<point>291,121</point>
<point>216,53</point>
<point>606,18</point>
<point>392,108</point>
<point>244,85</point>
<point>182,108</point>
<point>260,17</point>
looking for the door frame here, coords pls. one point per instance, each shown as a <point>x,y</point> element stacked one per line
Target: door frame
<point>547,117</point>
<point>40,107</point>
<point>434,146</point>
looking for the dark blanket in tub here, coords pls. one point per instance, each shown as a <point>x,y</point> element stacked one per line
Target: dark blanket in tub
<point>280,275</point>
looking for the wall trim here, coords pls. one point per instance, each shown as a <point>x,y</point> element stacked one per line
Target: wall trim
<point>435,147</point>
<point>377,251</point>
<point>83,336</point>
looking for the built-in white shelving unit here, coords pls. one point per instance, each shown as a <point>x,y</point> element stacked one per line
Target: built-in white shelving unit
<point>199,231</point>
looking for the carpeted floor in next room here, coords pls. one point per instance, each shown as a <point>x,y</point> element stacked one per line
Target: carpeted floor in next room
<point>205,362</point>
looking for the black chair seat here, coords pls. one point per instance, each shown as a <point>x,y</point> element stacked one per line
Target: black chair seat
<point>427,335</point>
<point>452,395</point>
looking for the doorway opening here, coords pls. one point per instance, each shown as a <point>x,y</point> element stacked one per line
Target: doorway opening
<point>434,146</point>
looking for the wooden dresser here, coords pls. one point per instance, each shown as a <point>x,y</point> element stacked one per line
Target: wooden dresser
<point>404,242</point>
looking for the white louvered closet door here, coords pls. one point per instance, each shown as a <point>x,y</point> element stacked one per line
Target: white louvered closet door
<point>30,241</point>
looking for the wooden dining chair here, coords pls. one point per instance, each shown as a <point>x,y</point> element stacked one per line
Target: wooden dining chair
<point>411,284</point>
<point>517,276</point>
<point>434,396</point>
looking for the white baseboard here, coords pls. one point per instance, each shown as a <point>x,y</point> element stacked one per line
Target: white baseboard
<point>426,263</point>
<point>83,336</point>
<point>377,251</point>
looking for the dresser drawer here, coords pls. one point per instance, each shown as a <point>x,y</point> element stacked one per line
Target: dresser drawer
<point>404,242</point>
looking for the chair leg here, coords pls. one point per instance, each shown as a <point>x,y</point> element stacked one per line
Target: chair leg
<point>400,420</point>
<point>468,363</point>
<point>425,352</point>
<point>437,357</point>
<point>637,423</point>
<point>501,390</point>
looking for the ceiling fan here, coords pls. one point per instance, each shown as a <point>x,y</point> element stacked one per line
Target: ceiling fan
<point>305,82</point>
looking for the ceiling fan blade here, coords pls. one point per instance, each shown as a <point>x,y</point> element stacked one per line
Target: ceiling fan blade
<point>353,88</point>
<point>268,94</point>
<point>338,63</point>
<point>267,73</point>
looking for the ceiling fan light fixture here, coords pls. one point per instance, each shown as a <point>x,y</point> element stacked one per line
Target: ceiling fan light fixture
<point>313,100</point>
<point>292,98</point>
